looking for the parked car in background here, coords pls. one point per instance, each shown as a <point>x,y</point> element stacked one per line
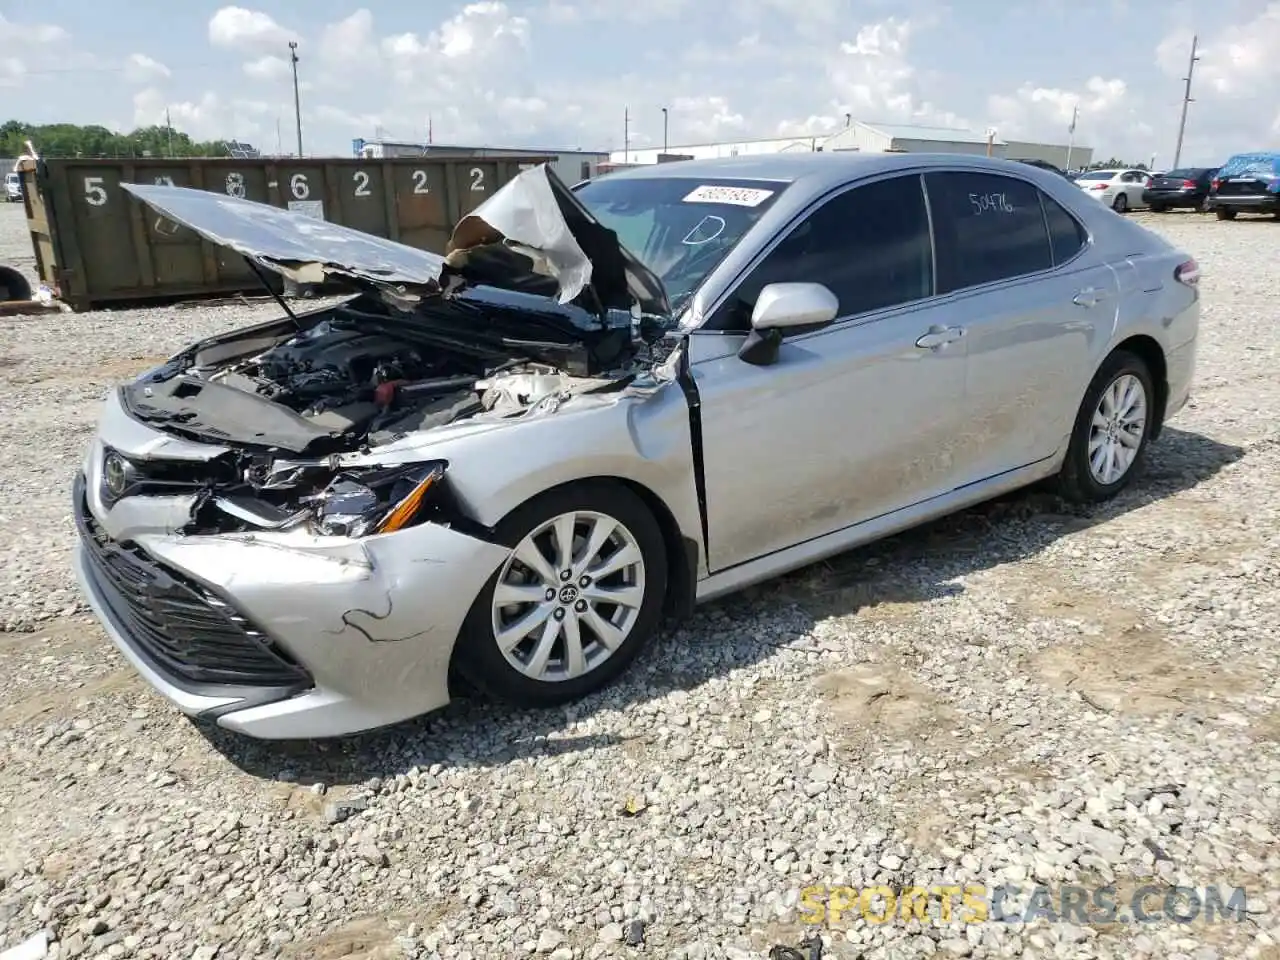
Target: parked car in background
<point>603,406</point>
<point>12,188</point>
<point>1046,165</point>
<point>1184,187</point>
<point>1119,189</point>
<point>1246,183</point>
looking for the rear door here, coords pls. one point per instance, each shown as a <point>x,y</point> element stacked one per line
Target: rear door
<point>1017,269</point>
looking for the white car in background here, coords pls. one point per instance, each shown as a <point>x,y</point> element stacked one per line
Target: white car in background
<point>1119,189</point>
<point>12,188</point>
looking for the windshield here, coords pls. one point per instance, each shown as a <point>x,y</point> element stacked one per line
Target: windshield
<point>10,178</point>
<point>679,227</point>
<point>1186,173</point>
<point>1097,175</point>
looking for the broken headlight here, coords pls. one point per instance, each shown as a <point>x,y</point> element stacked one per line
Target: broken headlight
<point>378,500</point>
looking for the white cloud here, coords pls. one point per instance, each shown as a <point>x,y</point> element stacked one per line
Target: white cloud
<point>208,118</point>
<point>268,68</point>
<point>140,68</point>
<point>237,28</point>
<point>350,41</point>
<point>15,33</point>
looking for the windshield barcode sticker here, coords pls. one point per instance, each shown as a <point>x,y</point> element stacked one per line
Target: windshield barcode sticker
<point>736,196</point>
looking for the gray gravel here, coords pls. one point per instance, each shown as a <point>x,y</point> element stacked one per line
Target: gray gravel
<point>1021,694</point>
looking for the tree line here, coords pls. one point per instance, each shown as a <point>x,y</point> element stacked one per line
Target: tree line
<point>73,140</point>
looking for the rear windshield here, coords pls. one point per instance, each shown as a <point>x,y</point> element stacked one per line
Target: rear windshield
<point>1097,175</point>
<point>1190,173</point>
<point>679,227</point>
<point>1251,165</point>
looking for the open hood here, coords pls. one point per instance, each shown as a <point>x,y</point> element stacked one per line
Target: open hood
<point>533,225</point>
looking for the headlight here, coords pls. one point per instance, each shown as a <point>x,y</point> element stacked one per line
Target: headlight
<point>378,500</point>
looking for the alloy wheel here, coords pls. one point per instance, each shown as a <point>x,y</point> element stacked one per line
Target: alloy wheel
<point>1119,422</point>
<point>569,596</point>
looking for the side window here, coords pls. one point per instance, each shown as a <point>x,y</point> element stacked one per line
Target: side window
<point>870,245</point>
<point>1066,236</point>
<point>987,227</point>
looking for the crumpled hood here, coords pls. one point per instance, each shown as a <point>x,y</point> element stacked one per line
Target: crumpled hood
<point>532,225</point>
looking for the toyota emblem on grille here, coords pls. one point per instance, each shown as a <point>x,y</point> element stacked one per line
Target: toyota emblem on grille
<point>115,474</point>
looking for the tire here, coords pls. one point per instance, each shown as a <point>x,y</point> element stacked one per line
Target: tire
<point>1225,213</point>
<point>1078,481</point>
<point>565,607</point>
<point>1121,203</point>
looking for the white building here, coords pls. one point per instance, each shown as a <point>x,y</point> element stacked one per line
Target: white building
<point>570,166</point>
<point>712,151</point>
<point>872,138</point>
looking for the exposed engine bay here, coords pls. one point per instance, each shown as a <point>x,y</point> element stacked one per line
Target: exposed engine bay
<point>291,403</point>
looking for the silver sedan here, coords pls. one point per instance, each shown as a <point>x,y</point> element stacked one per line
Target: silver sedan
<point>603,405</point>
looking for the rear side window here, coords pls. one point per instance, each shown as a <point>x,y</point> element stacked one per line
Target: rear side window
<point>987,227</point>
<point>1066,236</point>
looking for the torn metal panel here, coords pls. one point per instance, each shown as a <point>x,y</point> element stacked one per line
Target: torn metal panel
<point>290,243</point>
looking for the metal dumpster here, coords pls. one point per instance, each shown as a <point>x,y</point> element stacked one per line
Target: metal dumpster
<point>96,245</point>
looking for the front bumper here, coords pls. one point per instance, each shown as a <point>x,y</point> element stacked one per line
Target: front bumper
<point>274,635</point>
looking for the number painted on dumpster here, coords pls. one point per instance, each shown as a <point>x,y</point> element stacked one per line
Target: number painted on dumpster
<point>299,187</point>
<point>420,181</point>
<point>362,183</point>
<point>477,180</point>
<point>94,192</point>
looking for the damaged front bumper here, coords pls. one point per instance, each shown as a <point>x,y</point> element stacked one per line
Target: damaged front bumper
<point>274,635</point>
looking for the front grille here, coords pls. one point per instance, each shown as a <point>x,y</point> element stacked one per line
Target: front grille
<point>182,629</point>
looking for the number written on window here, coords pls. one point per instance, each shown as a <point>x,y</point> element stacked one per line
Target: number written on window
<point>420,181</point>
<point>477,180</point>
<point>299,187</point>
<point>362,183</point>
<point>94,192</point>
<point>989,203</point>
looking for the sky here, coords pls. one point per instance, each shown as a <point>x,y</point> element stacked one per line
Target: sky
<point>564,73</point>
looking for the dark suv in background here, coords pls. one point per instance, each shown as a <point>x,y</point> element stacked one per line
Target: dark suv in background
<point>1184,187</point>
<point>1247,183</point>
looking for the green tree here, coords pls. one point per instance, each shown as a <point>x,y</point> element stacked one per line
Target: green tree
<point>72,140</point>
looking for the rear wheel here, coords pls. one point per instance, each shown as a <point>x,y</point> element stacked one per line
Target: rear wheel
<point>1121,203</point>
<point>1112,430</point>
<point>577,600</point>
<point>1225,213</point>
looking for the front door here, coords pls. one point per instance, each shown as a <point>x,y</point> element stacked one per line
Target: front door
<point>851,422</point>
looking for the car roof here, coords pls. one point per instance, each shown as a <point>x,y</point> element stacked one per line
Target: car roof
<point>815,172</point>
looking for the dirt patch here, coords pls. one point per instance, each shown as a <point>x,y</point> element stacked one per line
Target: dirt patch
<point>107,370</point>
<point>368,938</point>
<point>878,704</point>
<point>56,701</point>
<point>1134,669</point>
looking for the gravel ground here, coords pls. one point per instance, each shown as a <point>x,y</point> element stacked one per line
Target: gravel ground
<point>1020,694</point>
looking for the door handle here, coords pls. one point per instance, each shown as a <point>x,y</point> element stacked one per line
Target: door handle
<point>940,337</point>
<point>1088,297</point>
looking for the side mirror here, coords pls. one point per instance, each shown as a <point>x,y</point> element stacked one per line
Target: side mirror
<point>783,308</point>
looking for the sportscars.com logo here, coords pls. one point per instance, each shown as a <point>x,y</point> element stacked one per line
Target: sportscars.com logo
<point>976,903</point>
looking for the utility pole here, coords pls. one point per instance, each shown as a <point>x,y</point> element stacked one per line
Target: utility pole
<point>1186,99</point>
<point>168,126</point>
<point>664,129</point>
<point>1071,134</point>
<point>297,104</point>
<point>626,133</point>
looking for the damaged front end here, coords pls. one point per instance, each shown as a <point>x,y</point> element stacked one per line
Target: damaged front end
<point>534,304</point>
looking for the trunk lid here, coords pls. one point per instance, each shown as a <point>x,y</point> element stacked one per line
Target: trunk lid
<point>1250,174</point>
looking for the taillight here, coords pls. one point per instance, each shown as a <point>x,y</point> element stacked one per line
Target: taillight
<point>1100,186</point>
<point>1189,184</point>
<point>1216,183</point>
<point>1188,273</point>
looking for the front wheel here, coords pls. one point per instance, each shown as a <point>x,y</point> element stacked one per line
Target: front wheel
<point>575,602</point>
<point>1112,430</point>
